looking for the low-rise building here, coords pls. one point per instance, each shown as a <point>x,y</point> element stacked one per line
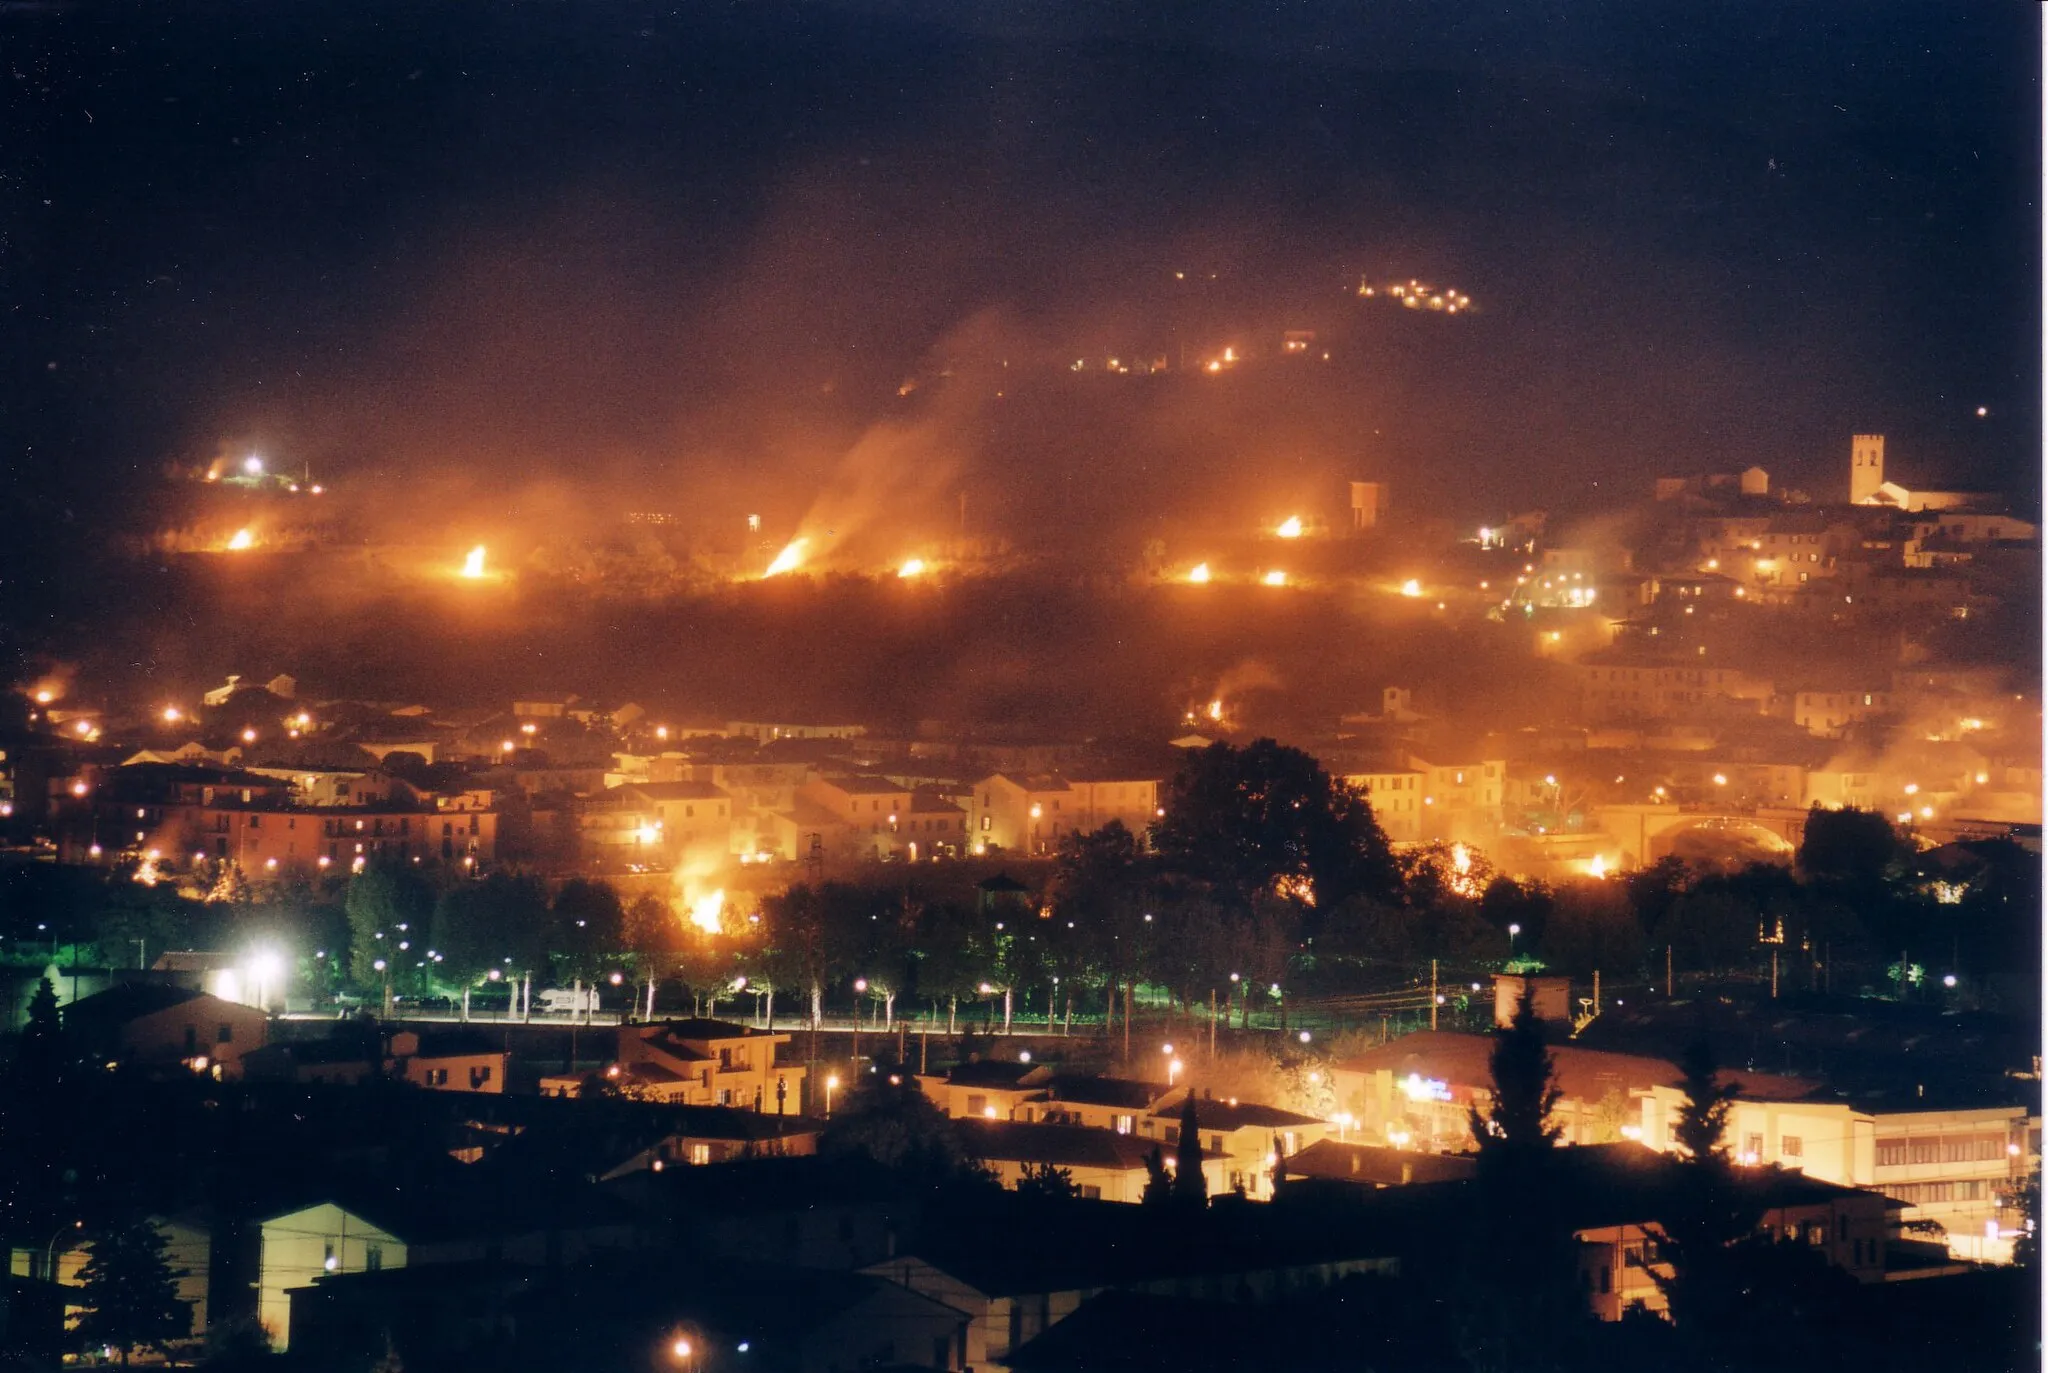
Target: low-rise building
<point>161,1026</point>
<point>1956,1166</point>
<point>701,1063</point>
<point>995,1090</point>
<point>1102,1164</point>
<point>1246,1139</point>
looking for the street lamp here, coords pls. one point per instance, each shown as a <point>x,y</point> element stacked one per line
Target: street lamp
<point>1513,930</point>
<point>50,1249</point>
<point>831,1082</point>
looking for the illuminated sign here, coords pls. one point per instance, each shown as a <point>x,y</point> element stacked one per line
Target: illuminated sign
<point>1419,1088</point>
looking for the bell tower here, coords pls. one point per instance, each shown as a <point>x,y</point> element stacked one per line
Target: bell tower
<point>1866,467</point>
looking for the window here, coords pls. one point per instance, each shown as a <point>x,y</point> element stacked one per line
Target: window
<point>1122,1124</point>
<point>373,1257</point>
<point>1089,1193</point>
<point>976,1105</point>
<point>1791,1146</point>
<point>1752,1148</point>
<point>224,1035</point>
<point>327,1258</point>
<point>700,1153</point>
<point>1816,1234</point>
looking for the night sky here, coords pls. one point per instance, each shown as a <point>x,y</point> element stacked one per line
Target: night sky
<point>690,250</point>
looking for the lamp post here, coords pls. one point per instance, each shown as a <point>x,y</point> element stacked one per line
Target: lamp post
<point>1173,1065</point>
<point>831,1083</point>
<point>1513,930</point>
<point>50,1249</point>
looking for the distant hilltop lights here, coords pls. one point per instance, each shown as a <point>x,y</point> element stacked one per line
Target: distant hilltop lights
<point>253,472</point>
<point>1416,294</point>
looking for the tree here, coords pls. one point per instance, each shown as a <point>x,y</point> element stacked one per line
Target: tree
<point>889,1118</point>
<point>130,1292</point>
<point>39,1060</point>
<point>1158,1181</point>
<point>1705,1213</point>
<point>1853,848</point>
<point>386,904</point>
<point>1190,1188</point>
<point>586,925</point>
<point>1268,817</point>
<point>467,937</point>
<point>1047,1183</point>
<point>795,927</point>
<point>655,936</point>
<point>1524,1090</point>
<point>1518,1305</point>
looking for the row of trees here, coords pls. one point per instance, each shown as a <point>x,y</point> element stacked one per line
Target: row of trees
<point>1264,873</point>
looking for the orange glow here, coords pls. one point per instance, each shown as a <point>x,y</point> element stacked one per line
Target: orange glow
<point>1199,574</point>
<point>706,910</point>
<point>911,568</point>
<point>1215,710</point>
<point>1290,528</point>
<point>789,559</point>
<point>473,564</point>
<point>243,540</point>
<point>1411,587</point>
<point>1276,578</point>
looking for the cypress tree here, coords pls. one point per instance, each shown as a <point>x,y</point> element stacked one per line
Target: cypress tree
<point>1189,1185</point>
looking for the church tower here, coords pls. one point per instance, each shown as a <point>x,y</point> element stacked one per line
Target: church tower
<point>1866,467</point>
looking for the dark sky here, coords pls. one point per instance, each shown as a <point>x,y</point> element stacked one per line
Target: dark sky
<point>680,247</point>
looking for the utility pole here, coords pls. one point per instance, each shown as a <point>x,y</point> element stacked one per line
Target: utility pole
<point>1596,991</point>
<point>1212,1024</point>
<point>1667,971</point>
<point>1774,974</point>
<point>1432,993</point>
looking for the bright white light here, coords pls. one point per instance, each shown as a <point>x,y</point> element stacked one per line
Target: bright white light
<point>253,465</point>
<point>1199,574</point>
<point>1290,528</point>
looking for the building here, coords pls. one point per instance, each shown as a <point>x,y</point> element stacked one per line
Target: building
<point>1371,1165</point>
<point>1368,503</point>
<point>769,731</point>
<point>995,1090</point>
<point>1419,1090</point>
<point>668,823</point>
<point>1025,813</point>
<point>1461,799</point>
<point>1104,1165</point>
<point>1245,1139</point>
<point>303,1245</point>
<point>154,1025</point>
<point>175,814</point>
<point>701,1063</point>
<point>1953,1165</point>
<point>1101,1103</point>
<point>1828,714</point>
<point>1395,794</point>
<point>1615,1192</point>
<point>1619,687</point>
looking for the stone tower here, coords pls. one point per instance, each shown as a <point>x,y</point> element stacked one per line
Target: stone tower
<point>1866,467</point>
